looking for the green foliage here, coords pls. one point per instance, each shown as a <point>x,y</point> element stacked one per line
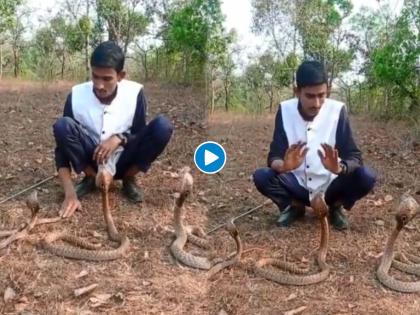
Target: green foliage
<point>194,30</point>
<point>396,63</point>
<point>7,13</point>
<point>123,22</point>
<point>391,66</point>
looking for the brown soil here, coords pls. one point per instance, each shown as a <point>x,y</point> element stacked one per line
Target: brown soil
<point>148,280</point>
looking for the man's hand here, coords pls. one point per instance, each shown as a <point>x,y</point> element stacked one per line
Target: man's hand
<point>69,206</point>
<point>105,149</point>
<point>330,161</point>
<point>293,158</point>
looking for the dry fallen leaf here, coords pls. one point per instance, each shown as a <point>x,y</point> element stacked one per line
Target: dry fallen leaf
<point>96,234</point>
<point>84,290</point>
<point>291,297</point>
<point>82,274</point>
<point>9,294</point>
<point>379,222</point>
<point>99,299</point>
<point>295,311</point>
<point>378,203</point>
<point>388,198</point>
<point>21,305</point>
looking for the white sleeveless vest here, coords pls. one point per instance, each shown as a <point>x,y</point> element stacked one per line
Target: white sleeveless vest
<point>311,174</point>
<point>103,121</point>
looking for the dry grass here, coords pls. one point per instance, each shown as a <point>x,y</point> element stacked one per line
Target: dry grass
<point>148,281</point>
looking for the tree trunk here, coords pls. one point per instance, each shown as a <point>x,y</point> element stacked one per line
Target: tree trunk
<point>271,98</point>
<point>63,61</point>
<point>166,66</point>
<point>157,70</point>
<point>1,61</point>
<point>386,102</point>
<point>226,96</point>
<point>16,62</point>
<point>349,104</point>
<point>146,69</point>
<point>185,67</point>
<point>87,46</point>
<point>212,92</point>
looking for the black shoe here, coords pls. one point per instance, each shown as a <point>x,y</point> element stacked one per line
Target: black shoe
<point>86,186</point>
<point>338,218</point>
<point>289,215</point>
<point>133,192</point>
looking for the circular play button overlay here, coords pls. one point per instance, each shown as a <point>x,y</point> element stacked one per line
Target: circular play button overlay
<point>210,157</point>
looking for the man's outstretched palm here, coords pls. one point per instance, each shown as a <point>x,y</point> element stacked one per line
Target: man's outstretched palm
<point>294,156</point>
<point>330,160</point>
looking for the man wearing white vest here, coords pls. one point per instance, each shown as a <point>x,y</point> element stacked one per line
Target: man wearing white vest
<point>104,126</point>
<point>313,151</point>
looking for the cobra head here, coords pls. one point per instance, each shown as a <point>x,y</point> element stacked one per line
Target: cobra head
<point>103,180</point>
<point>186,186</point>
<point>407,210</point>
<point>319,206</point>
<point>33,203</point>
<point>187,180</point>
<point>231,228</point>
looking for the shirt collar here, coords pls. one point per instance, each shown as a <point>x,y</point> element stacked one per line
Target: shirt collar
<point>302,114</point>
<point>107,100</point>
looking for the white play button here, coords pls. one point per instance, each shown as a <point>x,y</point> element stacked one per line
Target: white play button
<point>209,157</point>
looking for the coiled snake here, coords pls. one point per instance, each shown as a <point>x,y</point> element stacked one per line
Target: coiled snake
<point>183,235</point>
<point>298,276</point>
<point>90,251</point>
<point>407,210</point>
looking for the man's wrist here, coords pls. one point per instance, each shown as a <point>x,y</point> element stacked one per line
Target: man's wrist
<point>122,138</point>
<point>342,168</point>
<point>278,166</point>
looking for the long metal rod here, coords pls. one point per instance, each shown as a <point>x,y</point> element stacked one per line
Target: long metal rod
<point>265,203</point>
<point>27,189</point>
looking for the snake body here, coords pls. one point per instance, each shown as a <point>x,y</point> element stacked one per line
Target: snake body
<point>296,275</point>
<point>235,258</point>
<point>407,263</point>
<point>183,234</point>
<point>86,250</point>
<point>407,210</point>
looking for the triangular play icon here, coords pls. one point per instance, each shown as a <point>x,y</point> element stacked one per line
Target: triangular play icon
<point>209,157</point>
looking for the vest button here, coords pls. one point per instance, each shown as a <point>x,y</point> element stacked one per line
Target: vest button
<point>103,132</point>
<point>310,178</point>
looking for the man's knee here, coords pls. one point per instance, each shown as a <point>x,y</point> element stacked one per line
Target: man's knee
<point>366,178</point>
<point>162,129</point>
<point>262,178</point>
<point>63,127</point>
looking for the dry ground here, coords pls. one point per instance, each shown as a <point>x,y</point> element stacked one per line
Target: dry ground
<point>148,281</point>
